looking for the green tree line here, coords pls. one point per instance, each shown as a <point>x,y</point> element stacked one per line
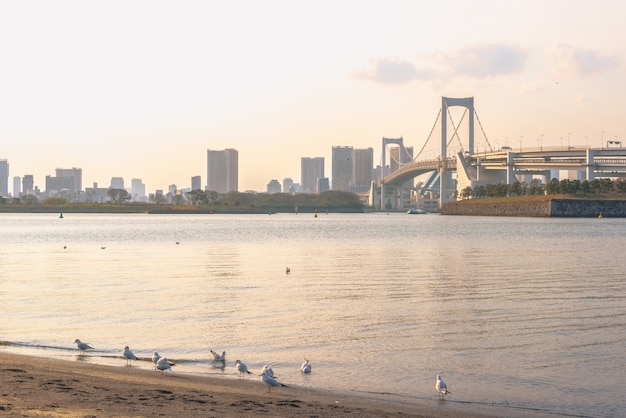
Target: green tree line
<point>554,187</point>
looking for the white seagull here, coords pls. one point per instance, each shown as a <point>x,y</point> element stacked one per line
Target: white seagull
<point>219,357</point>
<point>82,346</point>
<point>155,359</point>
<point>129,355</point>
<point>441,387</point>
<point>267,370</point>
<point>242,368</point>
<point>306,366</point>
<point>269,381</point>
<point>164,365</point>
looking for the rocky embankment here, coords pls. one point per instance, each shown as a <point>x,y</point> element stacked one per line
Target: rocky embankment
<point>558,208</point>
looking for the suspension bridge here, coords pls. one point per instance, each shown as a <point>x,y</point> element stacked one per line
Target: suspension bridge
<point>452,162</point>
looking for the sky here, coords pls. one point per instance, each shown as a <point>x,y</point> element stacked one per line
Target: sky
<point>142,88</point>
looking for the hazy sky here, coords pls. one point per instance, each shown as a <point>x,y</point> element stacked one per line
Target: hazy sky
<point>141,89</point>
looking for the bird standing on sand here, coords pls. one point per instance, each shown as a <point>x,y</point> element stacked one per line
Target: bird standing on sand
<point>242,368</point>
<point>306,366</point>
<point>270,381</point>
<point>164,365</point>
<point>267,370</point>
<point>155,359</point>
<point>219,357</point>
<point>82,346</point>
<point>129,355</point>
<point>441,387</point>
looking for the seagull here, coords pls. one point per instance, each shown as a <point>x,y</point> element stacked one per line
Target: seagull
<point>306,366</point>
<point>219,357</point>
<point>82,346</point>
<point>164,365</point>
<point>267,370</point>
<point>441,387</point>
<point>129,355</point>
<point>242,368</point>
<point>155,359</point>
<point>287,270</point>
<point>270,381</point>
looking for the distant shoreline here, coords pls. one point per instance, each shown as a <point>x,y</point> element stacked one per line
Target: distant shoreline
<point>175,210</point>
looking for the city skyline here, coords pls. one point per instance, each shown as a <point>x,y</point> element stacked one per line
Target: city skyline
<point>143,93</point>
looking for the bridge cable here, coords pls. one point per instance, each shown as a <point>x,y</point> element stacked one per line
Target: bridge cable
<point>482,130</point>
<point>456,129</point>
<point>429,135</point>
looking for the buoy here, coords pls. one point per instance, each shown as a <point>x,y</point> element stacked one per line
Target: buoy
<point>600,216</point>
<point>61,215</point>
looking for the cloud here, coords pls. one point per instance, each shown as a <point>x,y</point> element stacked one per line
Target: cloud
<point>483,61</point>
<point>392,71</point>
<point>565,60</point>
<point>479,61</point>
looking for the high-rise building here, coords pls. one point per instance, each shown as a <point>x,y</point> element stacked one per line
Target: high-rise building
<point>17,186</point>
<point>196,183</point>
<point>4,178</point>
<point>323,185</point>
<point>223,170</point>
<point>28,184</point>
<point>363,165</point>
<point>117,182</point>
<point>343,167</point>
<point>137,189</point>
<point>288,185</point>
<point>311,169</point>
<point>76,176</point>
<point>273,187</point>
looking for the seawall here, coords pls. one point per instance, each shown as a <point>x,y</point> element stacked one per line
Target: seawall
<point>558,208</point>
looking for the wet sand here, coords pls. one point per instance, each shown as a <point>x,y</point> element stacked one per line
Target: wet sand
<point>34,386</point>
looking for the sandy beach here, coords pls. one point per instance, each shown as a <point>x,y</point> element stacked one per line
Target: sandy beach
<point>33,386</point>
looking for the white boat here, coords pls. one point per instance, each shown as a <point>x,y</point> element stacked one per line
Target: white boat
<point>417,211</point>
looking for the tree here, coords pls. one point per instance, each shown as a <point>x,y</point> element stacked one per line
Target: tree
<point>585,187</point>
<point>466,193</point>
<point>118,196</point>
<point>30,199</point>
<point>58,201</point>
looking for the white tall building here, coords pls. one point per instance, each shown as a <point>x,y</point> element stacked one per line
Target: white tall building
<point>311,170</point>
<point>4,178</point>
<point>223,171</point>
<point>17,186</point>
<point>137,189</point>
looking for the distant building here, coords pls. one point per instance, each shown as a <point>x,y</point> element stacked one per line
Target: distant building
<point>4,178</point>
<point>223,171</point>
<point>196,183</point>
<point>96,194</point>
<point>67,183</point>
<point>17,186</point>
<point>117,182</point>
<point>323,185</point>
<point>28,184</point>
<point>362,170</point>
<point>273,187</point>
<point>311,169</point>
<point>342,168</point>
<point>288,186</point>
<point>137,190</point>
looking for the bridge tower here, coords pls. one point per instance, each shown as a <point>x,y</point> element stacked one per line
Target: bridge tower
<point>467,102</point>
<point>402,160</point>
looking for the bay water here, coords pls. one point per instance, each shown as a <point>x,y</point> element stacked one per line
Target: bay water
<point>527,315</point>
